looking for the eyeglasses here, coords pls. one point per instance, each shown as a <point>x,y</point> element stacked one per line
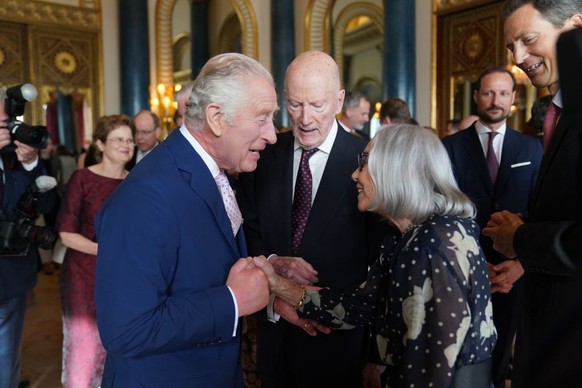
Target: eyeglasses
<point>145,133</point>
<point>362,160</point>
<point>120,140</point>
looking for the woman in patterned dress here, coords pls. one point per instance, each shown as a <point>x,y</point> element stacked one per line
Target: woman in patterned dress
<point>427,297</point>
<point>87,190</point>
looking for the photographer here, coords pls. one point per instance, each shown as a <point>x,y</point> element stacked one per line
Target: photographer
<point>18,170</point>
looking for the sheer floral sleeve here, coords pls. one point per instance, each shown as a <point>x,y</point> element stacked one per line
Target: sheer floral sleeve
<point>428,297</point>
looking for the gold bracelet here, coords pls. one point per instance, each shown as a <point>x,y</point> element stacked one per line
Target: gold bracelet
<point>302,300</point>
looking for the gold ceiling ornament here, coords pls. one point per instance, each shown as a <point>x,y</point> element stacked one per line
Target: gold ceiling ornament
<point>65,62</point>
<point>2,57</point>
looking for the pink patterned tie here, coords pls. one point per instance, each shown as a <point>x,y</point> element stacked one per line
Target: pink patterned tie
<point>550,120</point>
<point>301,200</point>
<point>492,162</point>
<point>229,201</point>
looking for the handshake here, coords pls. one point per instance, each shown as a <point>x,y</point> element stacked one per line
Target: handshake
<point>254,279</point>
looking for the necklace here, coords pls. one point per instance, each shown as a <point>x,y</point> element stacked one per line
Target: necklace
<point>409,228</point>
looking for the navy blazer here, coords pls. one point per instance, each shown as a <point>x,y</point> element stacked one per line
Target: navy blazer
<point>520,162</point>
<point>18,273</point>
<point>165,315</point>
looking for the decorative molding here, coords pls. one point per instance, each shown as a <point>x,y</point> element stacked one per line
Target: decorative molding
<point>248,22</point>
<point>376,15</point>
<point>85,17</point>
<point>229,33</point>
<point>317,22</point>
<point>447,6</point>
<point>164,60</point>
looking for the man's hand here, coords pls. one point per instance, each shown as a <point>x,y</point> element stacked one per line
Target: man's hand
<point>4,135</point>
<point>25,153</point>
<point>287,311</point>
<point>294,268</point>
<point>504,275</point>
<point>249,285</point>
<point>371,375</point>
<point>501,228</point>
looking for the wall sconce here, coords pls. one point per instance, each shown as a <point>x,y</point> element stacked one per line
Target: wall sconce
<point>163,104</point>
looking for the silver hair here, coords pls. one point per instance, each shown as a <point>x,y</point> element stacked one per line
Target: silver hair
<point>412,174</point>
<point>186,90</point>
<point>3,89</point>
<point>223,80</point>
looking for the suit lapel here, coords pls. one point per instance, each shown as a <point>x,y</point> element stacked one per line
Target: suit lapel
<point>198,177</point>
<point>332,188</point>
<point>508,157</point>
<point>551,152</point>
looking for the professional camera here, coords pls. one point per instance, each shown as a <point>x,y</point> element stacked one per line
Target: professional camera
<point>16,98</point>
<point>18,234</point>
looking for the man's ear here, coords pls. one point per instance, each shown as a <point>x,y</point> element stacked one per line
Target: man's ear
<point>215,118</point>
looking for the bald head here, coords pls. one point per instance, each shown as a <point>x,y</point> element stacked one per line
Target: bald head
<point>314,97</point>
<point>314,64</point>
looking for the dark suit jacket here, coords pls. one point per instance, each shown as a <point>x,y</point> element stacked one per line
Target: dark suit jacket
<point>165,315</point>
<point>339,241</point>
<point>520,162</point>
<point>18,273</point>
<point>549,339</point>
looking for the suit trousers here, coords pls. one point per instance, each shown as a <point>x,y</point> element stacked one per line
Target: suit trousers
<point>325,361</point>
<point>12,313</point>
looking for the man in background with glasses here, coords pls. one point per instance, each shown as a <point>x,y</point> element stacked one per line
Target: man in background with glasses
<point>147,135</point>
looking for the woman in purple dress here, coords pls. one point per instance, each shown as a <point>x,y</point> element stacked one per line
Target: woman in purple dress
<point>87,191</point>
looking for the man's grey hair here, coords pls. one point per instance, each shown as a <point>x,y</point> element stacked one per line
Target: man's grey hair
<point>185,91</point>
<point>224,80</point>
<point>352,100</point>
<point>3,89</point>
<point>412,174</point>
<point>556,12</point>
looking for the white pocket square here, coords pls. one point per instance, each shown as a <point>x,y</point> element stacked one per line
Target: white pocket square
<point>520,164</point>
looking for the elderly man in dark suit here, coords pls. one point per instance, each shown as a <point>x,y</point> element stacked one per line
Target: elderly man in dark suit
<point>516,160</point>
<point>318,221</point>
<point>549,336</point>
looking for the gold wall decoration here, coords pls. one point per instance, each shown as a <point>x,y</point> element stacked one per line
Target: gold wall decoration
<point>467,43</point>
<point>249,30</point>
<point>317,25</point>
<point>41,12</point>
<point>13,53</point>
<point>67,61</point>
<point>229,33</point>
<point>376,15</point>
<point>446,6</point>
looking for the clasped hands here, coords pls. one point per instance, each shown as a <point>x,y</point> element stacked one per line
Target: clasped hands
<point>501,229</point>
<point>289,278</point>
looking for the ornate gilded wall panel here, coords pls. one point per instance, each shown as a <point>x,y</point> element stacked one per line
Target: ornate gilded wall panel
<point>13,53</point>
<point>468,42</point>
<point>40,12</point>
<point>65,60</point>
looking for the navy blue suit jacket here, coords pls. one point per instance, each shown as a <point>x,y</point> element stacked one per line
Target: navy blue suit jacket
<point>18,273</point>
<point>520,162</point>
<point>165,315</point>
